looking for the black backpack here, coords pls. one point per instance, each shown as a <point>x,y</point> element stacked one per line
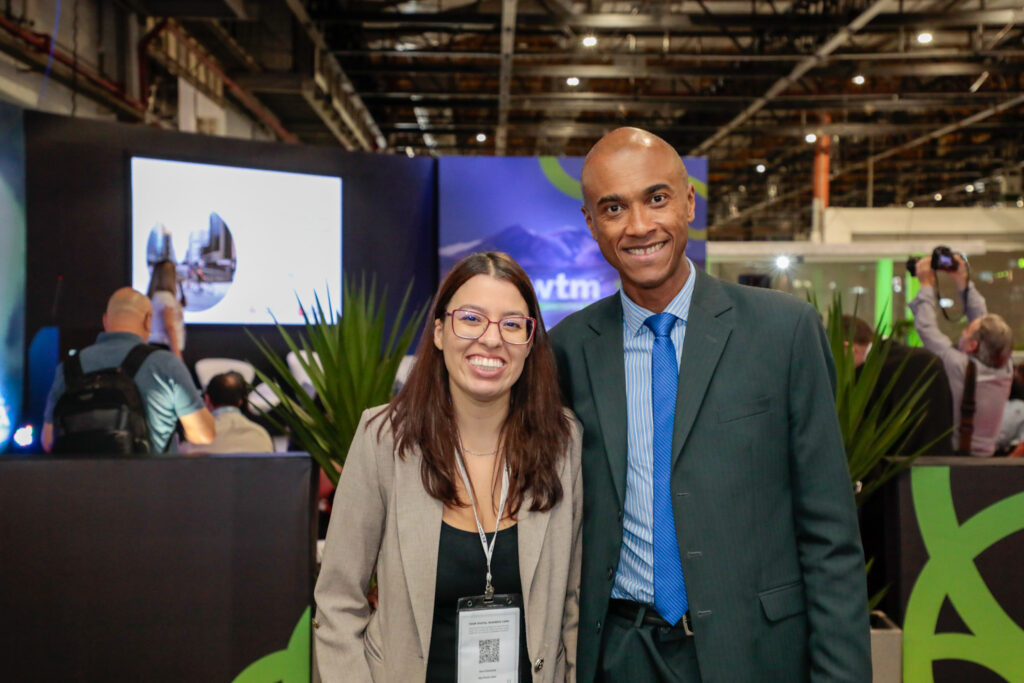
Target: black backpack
<point>102,411</point>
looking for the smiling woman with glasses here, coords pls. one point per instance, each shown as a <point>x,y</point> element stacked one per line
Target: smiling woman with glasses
<point>463,495</point>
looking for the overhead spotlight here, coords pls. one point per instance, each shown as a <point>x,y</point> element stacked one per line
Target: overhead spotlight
<point>481,137</point>
<point>1020,202</point>
<point>858,80</point>
<point>760,168</point>
<point>782,262</point>
<point>589,41</point>
<point>937,196</point>
<point>925,37</point>
<point>969,188</point>
<point>910,204</point>
<point>409,152</point>
<point>811,137</point>
<point>572,81</point>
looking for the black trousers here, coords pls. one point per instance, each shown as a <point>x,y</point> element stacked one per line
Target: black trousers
<point>634,652</point>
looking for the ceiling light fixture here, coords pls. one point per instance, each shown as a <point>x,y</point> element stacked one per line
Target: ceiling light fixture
<point>969,188</point>
<point>481,137</point>
<point>760,168</point>
<point>937,196</point>
<point>572,81</point>
<point>858,80</point>
<point>589,41</point>
<point>910,204</point>
<point>782,262</point>
<point>925,37</point>
<point>811,137</point>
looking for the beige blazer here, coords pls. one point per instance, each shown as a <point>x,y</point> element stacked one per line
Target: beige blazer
<point>383,518</point>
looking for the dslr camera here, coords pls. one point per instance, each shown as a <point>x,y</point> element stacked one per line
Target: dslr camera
<point>942,259</point>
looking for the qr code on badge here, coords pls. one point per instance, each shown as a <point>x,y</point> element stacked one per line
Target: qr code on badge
<point>489,651</point>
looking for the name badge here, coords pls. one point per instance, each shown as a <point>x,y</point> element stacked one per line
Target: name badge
<point>488,639</point>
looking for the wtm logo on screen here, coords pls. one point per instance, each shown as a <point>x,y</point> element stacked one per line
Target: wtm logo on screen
<point>529,208</point>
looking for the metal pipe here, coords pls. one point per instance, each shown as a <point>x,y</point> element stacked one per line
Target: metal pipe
<point>262,113</point>
<point>41,42</point>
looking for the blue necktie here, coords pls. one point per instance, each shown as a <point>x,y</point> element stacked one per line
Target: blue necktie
<point>669,587</point>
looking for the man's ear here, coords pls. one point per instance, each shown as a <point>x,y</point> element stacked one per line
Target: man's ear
<point>147,323</point>
<point>590,222</point>
<point>691,200</point>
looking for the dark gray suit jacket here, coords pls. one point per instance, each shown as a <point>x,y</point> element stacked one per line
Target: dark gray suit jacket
<point>764,507</point>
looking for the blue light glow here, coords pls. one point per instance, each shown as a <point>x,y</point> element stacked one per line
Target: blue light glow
<point>5,422</point>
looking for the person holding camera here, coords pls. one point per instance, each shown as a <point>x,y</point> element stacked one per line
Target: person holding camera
<point>979,367</point>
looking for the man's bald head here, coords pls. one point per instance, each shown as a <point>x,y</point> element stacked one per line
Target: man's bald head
<point>622,141</point>
<point>128,311</point>
<point>638,203</point>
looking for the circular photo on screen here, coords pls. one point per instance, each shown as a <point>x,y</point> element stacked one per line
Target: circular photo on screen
<point>206,270</point>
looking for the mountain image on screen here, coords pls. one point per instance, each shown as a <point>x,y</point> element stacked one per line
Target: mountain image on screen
<point>565,265</point>
<point>208,268</point>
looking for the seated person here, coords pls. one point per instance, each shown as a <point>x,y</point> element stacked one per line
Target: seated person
<point>916,363</point>
<point>1011,430</point>
<point>163,381</point>
<point>981,361</point>
<point>226,397</point>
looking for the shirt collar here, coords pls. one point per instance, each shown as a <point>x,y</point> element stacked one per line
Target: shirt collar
<point>634,315</point>
<point>225,409</point>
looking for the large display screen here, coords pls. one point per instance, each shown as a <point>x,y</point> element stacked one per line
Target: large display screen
<point>529,207</point>
<point>246,242</point>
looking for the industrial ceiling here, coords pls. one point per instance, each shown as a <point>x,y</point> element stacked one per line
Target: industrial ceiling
<point>918,101</point>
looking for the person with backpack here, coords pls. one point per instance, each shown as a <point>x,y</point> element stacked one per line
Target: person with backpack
<point>121,396</point>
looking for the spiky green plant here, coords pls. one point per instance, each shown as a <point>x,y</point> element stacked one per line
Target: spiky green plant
<point>875,423</point>
<point>358,358</point>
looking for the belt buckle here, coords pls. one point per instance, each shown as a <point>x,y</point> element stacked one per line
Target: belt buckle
<point>686,624</point>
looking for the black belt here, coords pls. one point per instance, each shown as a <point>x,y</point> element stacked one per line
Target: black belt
<point>627,609</point>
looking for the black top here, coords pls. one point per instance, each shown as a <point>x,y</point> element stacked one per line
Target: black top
<point>462,572</point>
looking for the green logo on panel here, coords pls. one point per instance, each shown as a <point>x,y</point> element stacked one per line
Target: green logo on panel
<point>290,665</point>
<point>995,641</point>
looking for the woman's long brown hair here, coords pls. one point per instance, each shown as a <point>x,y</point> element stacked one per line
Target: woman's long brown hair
<point>537,430</point>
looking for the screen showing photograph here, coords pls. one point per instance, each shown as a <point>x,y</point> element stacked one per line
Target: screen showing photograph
<point>245,242</point>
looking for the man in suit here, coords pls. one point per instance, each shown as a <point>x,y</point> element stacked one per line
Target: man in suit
<point>720,538</point>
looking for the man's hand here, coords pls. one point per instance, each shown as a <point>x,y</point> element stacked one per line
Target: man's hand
<point>925,274</point>
<point>960,274</point>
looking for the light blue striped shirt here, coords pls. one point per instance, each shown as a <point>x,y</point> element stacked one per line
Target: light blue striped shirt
<point>634,579</point>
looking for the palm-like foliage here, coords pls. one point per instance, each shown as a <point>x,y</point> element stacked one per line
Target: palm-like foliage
<point>358,359</point>
<point>874,421</point>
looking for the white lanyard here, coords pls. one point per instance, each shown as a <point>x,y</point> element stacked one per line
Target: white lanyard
<point>488,549</point>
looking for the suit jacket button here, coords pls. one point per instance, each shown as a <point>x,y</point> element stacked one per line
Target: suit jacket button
<point>538,665</point>
<point>598,626</point>
<point>611,573</point>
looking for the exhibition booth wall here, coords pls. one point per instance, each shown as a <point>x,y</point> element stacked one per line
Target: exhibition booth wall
<point>12,267</point>
<point>78,189</point>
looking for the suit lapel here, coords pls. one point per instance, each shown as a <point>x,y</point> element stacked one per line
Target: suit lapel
<point>419,534</point>
<point>706,336</point>
<point>533,527</point>
<point>606,372</point>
